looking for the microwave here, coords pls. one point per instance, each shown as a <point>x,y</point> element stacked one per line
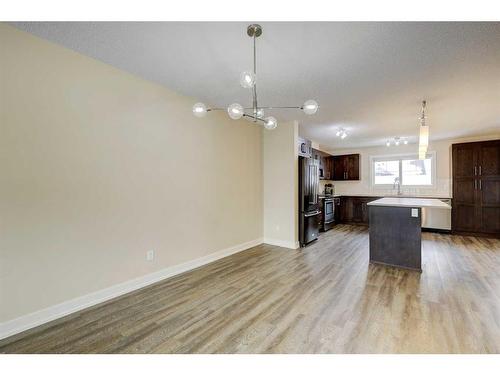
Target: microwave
<point>305,148</point>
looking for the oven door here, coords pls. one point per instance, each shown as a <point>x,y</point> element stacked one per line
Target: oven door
<point>329,211</point>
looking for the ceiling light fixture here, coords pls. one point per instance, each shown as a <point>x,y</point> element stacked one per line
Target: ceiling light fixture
<point>341,133</point>
<point>248,80</point>
<point>423,143</point>
<point>397,141</point>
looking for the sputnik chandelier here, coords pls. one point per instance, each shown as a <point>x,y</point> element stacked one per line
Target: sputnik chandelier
<point>249,81</point>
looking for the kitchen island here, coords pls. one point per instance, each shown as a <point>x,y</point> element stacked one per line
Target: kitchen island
<point>395,230</point>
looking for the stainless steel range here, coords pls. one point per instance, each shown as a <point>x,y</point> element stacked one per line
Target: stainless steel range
<point>328,214</point>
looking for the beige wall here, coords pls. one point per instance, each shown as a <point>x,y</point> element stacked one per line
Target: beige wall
<point>280,185</point>
<point>442,151</point>
<point>99,166</point>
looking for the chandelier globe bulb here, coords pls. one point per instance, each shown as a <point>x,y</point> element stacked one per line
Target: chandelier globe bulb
<point>310,107</point>
<point>199,110</point>
<point>270,123</point>
<point>247,80</point>
<point>235,111</point>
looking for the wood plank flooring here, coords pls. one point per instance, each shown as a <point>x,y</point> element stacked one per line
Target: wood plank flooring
<point>325,298</point>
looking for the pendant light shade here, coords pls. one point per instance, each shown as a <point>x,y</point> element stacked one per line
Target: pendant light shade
<point>424,136</point>
<point>422,152</point>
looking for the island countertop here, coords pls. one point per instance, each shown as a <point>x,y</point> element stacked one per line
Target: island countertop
<point>410,202</point>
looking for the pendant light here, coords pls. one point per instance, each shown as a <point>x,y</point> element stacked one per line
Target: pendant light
<point>423,143</point>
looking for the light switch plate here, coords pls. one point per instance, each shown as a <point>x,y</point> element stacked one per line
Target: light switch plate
<point>414,212</point>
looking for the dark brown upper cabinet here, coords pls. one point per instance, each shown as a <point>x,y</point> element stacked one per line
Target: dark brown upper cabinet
<point>476,187</point>
<point>328,171</point>
<point>337,168</point>
<point>345,167</point>
<point>317,155</point>
<point>325,164</point>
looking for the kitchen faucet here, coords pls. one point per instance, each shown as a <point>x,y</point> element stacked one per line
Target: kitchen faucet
<point>397,182</point>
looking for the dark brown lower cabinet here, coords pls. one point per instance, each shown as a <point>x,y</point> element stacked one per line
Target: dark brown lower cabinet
<point>476,188</point>
<point>489,191</point>
<point>354,210</point>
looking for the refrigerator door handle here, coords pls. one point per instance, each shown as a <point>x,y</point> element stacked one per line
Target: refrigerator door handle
<point>316,182</point>
<point>313,187</point>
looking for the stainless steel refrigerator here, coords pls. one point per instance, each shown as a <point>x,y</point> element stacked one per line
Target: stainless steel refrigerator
<point>308,200</point>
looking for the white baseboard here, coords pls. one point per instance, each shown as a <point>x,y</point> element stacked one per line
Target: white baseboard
<point>282,243</point>
<point>48,314</point>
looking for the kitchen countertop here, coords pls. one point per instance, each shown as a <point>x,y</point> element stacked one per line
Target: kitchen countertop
<point>410,202</point>
<point>382,196</point>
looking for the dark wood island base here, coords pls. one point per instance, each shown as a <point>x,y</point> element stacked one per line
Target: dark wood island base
<point>396,236</point>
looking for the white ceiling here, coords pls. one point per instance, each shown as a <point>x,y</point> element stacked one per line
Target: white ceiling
<point>367,77</point>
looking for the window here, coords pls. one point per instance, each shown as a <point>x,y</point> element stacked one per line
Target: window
<point>408,168</point>
<point>416,172</point>
<point>386,171</point>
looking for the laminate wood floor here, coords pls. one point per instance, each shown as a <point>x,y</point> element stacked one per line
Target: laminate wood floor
<point>325,298</point>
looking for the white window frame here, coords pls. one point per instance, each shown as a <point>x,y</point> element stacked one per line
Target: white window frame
<point>400,157</point>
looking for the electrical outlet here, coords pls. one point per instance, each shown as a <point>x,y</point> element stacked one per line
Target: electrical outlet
<point>150,255</point>
<point>414,212</point>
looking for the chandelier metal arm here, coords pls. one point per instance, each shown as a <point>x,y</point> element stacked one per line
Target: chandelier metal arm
<point>254,118</point>
<point>279,107</point>
<point>252,108</point>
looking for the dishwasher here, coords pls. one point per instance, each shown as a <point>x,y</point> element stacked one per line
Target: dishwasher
<point>437,218</point>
